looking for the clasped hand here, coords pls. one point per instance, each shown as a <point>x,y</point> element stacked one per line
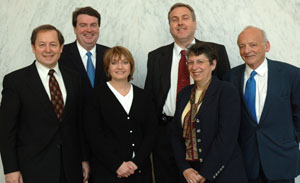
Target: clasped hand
<point>126,169</point>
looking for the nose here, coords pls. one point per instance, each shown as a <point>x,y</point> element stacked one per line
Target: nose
<point>180,21</point>
<point>47,48</point>
<point>89,28</point>
<point>247,49</point>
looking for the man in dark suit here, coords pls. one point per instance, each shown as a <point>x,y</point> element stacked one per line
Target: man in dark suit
<point>86,23</point>
<point>40,123</point>
<point>163,79</point>
<point>270,126</point>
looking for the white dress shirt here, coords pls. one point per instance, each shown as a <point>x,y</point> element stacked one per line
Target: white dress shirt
<point>170,104</point>
<point>84,57</point>
<point>261,79</point>
<point>43,73</point>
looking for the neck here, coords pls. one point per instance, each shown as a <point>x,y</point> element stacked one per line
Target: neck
<point>120,86</point>
<point>184,44</point>
<point>202,85</point>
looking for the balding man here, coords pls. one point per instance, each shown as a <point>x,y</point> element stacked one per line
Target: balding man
<point>270,126</point>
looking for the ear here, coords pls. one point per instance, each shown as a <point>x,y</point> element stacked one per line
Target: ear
<point>268,46</point>
<point>214,64</point>
<point>61,48</point>
<point>33,49</point>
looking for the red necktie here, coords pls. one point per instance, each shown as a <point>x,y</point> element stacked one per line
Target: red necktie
<point>183,73</point>
<point>56,96</point>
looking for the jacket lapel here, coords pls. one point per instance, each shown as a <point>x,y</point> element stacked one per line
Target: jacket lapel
<point>272,88</point>
<point>69,90</point>
<point>36,86</point>
<point>165,71</point>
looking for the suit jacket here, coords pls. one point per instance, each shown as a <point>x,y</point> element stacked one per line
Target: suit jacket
<point>113,134</point>
<point>71,58</point>
<point>274,141</point>
<point>158,77</point>
<point>217,125</point>
<point>32,139</point>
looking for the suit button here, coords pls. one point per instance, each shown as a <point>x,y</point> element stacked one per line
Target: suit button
<point>133,145</point>
<point>198,140</point>
<point>197,120</point>
<point>140,171</point>
<point>164,118</point>
<point>128,117</point>
<point>200,150</point>
<point>198,131</point>
<point>130,131</point>
<point>201,160</point>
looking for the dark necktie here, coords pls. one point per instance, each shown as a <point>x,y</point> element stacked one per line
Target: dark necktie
<point>250,92</point>
<point>56,95</point>
<point>183,73</point>
<point>90,69</point>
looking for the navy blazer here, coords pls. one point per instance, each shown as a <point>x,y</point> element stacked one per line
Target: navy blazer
<point>113,134</point>
<point>32,139</point>
<point>158,79</point>
<point>217,126</point>
<point>275,140</point>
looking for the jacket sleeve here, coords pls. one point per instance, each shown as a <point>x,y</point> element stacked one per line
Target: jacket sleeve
<point>9,111</point>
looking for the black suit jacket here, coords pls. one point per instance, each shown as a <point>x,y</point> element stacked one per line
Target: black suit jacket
<point>113,134</point>
<point>217,126</point>
<point>274,141</point>
<point>32,140</point>
<point>71,58</point>
<point>159,72</point>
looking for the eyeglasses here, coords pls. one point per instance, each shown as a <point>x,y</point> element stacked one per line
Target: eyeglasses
<point>196,62</point>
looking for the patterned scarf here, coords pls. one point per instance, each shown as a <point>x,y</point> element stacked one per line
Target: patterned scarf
<point>189,130</point>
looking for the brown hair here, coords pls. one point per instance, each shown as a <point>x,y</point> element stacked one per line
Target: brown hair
<point>118,51</point>
<point>85,10</point>
<point>46,27</point>
<point>203,48</point>
<point>178,5</point>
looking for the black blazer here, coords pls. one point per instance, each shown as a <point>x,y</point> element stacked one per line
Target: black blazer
<point>217,127</point>
<point>113,134</point>
<point>32,139</point>
<point>71,58</point>
<point>274,142</point>
<point>159,72</point>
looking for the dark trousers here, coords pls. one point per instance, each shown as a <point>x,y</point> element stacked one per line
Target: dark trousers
<point>263,179</point>
<point>165,168</point>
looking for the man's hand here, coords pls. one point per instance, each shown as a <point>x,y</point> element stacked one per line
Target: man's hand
<point>85,171</point>
<point>13,177</point>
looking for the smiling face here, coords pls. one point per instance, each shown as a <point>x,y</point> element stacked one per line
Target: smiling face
<point>200,68</point>
<point>119,68</point>
<point>253,47</point>
<point>182,26</point>
<point>46,48</point>
<point>87,31</point>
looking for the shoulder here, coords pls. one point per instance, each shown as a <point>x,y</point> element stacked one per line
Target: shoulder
<point>223,86</point>
<point>282,65</point>
<point>20,73</point>
<point>101,47</point>
<point>69,47</point>
<point>162,49</point>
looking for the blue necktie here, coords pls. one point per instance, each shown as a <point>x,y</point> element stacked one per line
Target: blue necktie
<point>250,92</point>
<point>90,69</point>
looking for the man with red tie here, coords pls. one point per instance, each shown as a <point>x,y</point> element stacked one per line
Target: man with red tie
<point>41,137</point>
<point>167,75</point>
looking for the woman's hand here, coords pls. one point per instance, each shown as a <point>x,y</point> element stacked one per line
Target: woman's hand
<point>192,176</point>
<point>126,169</point>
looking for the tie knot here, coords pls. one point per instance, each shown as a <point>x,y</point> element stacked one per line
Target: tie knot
<point>51,72</point>
<point>182,53</point>
<point>253,73</point>
<point>88,54</point>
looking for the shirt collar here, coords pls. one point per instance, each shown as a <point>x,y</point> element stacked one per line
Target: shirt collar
<point>178,49</point>
<point>43,70</point>
<point>83,51</point>
<point>261,70</point>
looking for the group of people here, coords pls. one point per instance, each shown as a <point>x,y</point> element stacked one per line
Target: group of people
<point>73,115</point>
